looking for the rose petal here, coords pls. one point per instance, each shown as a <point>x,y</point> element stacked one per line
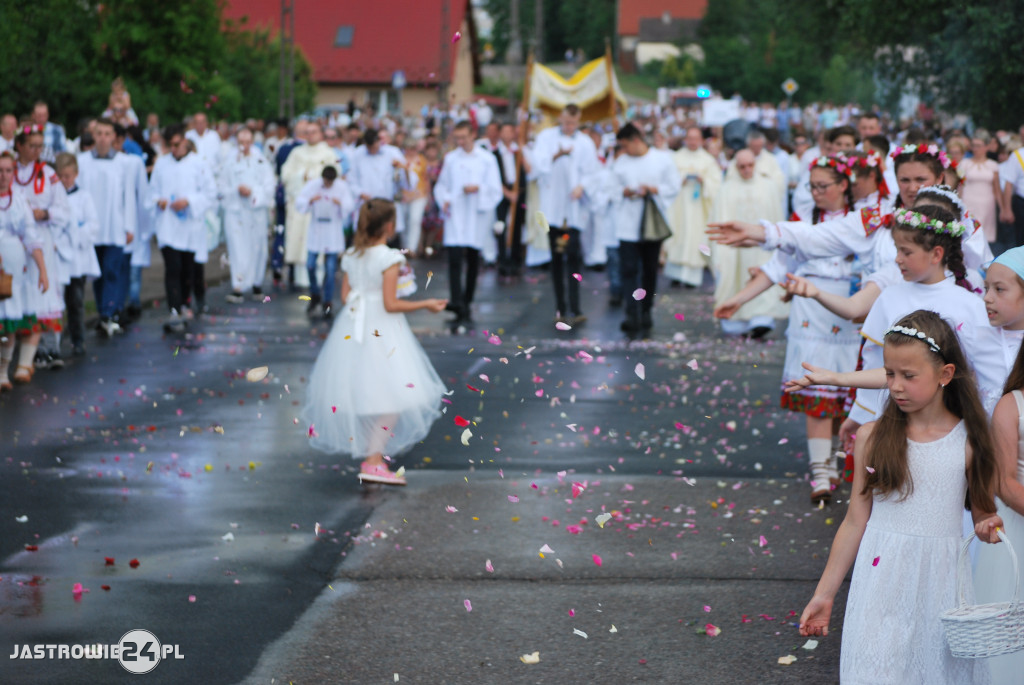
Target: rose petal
<point>468,605</point>
<point>639,294</point>
<point>639,371</point>
<point>562,326</point>
<point>257,374</point>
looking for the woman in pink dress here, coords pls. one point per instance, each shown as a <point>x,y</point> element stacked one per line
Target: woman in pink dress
<point>980,188</point>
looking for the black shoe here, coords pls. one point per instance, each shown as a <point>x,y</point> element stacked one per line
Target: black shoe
<point>56,362</point>
<point>41,360</point>
<point>314,302</point>
<point>133,313</point>
<point>759,332</point>
<point>629,326</point>
<point>646,322</point>
<point>234,297</point>
<point>328,311</point>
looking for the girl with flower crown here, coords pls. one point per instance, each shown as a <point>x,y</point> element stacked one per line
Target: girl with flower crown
<point>37,182</point>
<point>19,238</point>
<point>814,332</point>
<point>861,234</point>
<point>929,453</point>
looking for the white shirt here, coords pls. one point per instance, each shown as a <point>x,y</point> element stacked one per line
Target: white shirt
<point>207,145</point>
<point>469,217</point>
<point>556,179</point>
<point>327,208</point>
<point>252,170</point>
<point>187,178</point>
<point>654,168</point>
<point>106,179</point>
<point>1012,171</point>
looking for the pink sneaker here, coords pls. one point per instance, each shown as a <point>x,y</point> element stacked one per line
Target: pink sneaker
<point>379,474</point>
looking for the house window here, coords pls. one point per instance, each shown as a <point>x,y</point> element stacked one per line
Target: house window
<point>343,39</point>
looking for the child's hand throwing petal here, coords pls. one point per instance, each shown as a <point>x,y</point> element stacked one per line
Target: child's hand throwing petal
<point>814,620</point>
<point>986,529</point>
<point>815,376</point>
<point>800,287</point>
<point>436,306</point>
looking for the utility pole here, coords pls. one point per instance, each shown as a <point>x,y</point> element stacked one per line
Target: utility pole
<point>445,72</point>
<point>286,67</point>
<point>514,53</point>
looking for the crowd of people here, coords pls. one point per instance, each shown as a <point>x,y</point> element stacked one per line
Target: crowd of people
<point>898,250</point>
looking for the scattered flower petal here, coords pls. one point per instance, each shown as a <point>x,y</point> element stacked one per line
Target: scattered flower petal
<point>535,657</point>
<point>787,660</point>
<point>488,566</point>
<point>597,559</point>
<point>577,631</point>
<point>639,294</point>
<point>469,605</point>
<point>712,630</point>
<point>639,371</point>
<point>562,326</point>
<point>257,374</point>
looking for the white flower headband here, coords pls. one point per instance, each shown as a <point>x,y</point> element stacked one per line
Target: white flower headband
<point>914,333</point>
<point>946,192</point>
<point>909,217</point>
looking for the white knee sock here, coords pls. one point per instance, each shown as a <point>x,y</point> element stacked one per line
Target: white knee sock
<point>819,451</point>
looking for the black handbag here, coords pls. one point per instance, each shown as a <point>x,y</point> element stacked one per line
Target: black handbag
<point>653,226</point>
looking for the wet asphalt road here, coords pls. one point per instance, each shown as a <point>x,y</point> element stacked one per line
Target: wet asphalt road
<point>156,448</point>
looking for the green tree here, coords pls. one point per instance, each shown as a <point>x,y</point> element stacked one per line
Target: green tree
<point>568,24</point>
<point>252,63</point>
<point>45,56</point>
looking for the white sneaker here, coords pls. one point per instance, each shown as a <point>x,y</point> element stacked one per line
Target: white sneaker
<point>175,324</point>
<point>110,327</point>
<point>235,298</point>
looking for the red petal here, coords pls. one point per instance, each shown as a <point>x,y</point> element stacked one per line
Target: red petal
<point>134,563</point>
<point>461,422</point>
<point>105,587</point>
<point>109,561</point>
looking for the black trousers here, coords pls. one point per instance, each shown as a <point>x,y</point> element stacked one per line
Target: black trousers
<point>1017,205</point>
<point>74,303</point>
<point>510,257</point>
<point>638,264</point>
<point>179,268</point>
<point>462,291</point>
<point>566,260</point>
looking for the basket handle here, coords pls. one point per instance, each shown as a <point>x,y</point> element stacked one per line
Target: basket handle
<point>962,568</point>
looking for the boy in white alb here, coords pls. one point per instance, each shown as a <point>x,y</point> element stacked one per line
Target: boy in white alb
<point>76,248</point>
<point>104,177</point>
<point>182,190</point>
<point>328,201</point>
<point>468,191</point>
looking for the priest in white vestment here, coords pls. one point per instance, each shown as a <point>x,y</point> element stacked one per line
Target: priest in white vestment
<point>246,185</point>
<point>702,177</point>
<point>745,196</point>
<point>305,163</point>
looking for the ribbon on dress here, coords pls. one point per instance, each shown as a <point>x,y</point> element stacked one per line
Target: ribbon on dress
<point>355,309</point>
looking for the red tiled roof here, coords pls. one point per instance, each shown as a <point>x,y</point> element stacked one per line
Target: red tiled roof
<point>632,11</point>
<point>389,35</point>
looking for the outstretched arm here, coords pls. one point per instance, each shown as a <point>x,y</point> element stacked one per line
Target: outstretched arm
<point>852,308</point>
<point>866,378</point>
<point>393,303</point>
<point>818,613</point>
<point>757,285</point>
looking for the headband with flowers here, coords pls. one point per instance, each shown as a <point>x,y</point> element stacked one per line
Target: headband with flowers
<point>837,162</point>
<point>914,333</point>
<point>909,217</point>
<point>946,192</point>
<point>29,129</point>
<point>869,160</point>
<point>932,150</point>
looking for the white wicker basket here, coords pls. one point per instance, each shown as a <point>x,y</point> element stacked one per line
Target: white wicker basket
<point>984,630</point>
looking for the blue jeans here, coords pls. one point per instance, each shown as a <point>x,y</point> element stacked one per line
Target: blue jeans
<point>330,266</point>
<point>109,287</point>
<point>131,277</point>
<point>612,269</point>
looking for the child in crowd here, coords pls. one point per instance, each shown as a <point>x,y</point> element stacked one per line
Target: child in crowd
<point>329,200</point>
<point>929,452</point>
<point>373,389</point>
<point>76,247</point>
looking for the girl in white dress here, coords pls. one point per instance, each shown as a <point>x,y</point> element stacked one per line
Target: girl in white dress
<point>993,580</point>
<point>18,236</point>
<point>373,389</point>
<point>929,452</point>
<point>814,332</point>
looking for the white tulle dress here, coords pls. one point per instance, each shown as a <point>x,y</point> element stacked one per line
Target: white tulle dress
<point>993,577</point>
<point>905,576</point>
<point>373,388</point>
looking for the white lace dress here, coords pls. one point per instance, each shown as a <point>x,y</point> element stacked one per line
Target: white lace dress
<point>993,579</point>
<point>373,388</point>
<point>905,576</point>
